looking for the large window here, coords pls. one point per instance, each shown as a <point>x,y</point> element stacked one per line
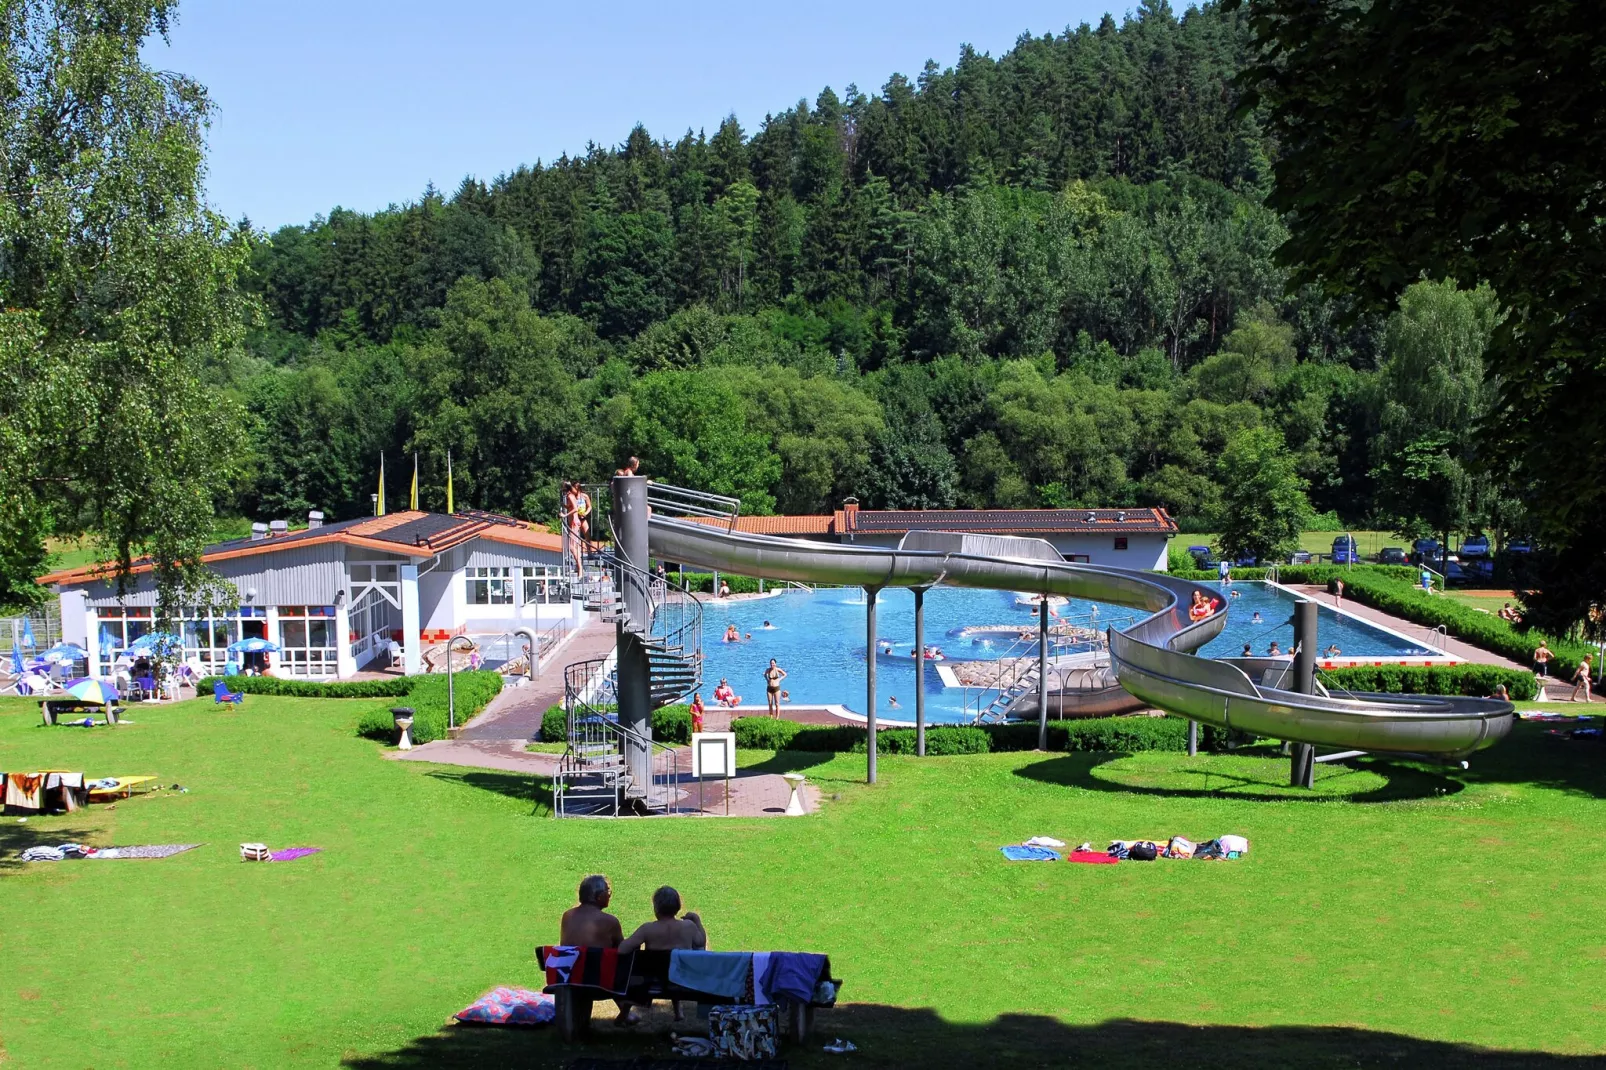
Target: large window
<point>490,586</point>
<point>307,643</point>
<point>375,592</point>
<point>544,585</point>
<point>205,634</point>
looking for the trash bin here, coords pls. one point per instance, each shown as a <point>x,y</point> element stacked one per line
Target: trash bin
<point>403,718</point>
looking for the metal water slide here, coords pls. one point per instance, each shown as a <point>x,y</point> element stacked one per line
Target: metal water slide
<point>1152,659</point>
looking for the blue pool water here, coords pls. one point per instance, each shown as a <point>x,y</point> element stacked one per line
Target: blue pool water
<point>819,639</point>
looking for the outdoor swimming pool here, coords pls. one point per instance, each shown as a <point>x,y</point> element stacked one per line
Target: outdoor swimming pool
<point>818,638</point>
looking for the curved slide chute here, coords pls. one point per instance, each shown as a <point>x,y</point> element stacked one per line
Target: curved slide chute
<point>1153,659</point>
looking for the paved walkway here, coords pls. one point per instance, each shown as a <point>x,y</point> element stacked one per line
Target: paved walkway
<point>516,713</point>
<point>1555,690</point>
<point>1454,647</point>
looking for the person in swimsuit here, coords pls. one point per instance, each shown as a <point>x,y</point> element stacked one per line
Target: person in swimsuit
<point>666,932</point>
<point>772,687</point>
<point>589,925</point>
<point>697,711</point>
<point>731,634</point>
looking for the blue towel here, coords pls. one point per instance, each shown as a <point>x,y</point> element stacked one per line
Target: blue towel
<point>1030,854</point>
<point>794,974</point>
<point>719,973</point>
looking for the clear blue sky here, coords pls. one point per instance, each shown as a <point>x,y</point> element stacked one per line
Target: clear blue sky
<point>360,104</point>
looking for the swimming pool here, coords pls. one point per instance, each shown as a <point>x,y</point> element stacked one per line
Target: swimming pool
<point>818,637</point>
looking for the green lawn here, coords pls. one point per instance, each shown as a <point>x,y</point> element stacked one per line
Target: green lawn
<point>1400,915</point>
<point>1318,542</point>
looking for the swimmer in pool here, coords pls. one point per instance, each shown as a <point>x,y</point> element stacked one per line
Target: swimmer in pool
<point>768,627</point>
<point>1275,651</point>
<point>1256,618</point>
<point>892,701</point>
<point>1237,594</point>
<point>732,635</point>
<point>1248,651</point>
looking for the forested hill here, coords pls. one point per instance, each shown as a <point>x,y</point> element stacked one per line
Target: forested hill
<point>1041,279</point>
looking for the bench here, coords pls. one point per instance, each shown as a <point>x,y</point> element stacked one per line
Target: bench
<point>649,981</point>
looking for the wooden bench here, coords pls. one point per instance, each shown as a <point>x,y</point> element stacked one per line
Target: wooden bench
<point>649,981</point>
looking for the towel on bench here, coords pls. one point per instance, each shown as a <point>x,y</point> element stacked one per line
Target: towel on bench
<point>719,973</point>
<point>591,967</point>
<point>794,974</point>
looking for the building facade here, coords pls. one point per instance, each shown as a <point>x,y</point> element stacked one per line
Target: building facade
<point>333,597</point>
<point>1125,538</point>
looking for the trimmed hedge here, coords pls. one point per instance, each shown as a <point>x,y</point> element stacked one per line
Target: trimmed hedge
<point>1477,680</point>
<point>474,691</point>
<point>393,687</point>
<point>703,582</point>
<point>1393,589</point>
<point>671,724</point>
<point>1098,734</point>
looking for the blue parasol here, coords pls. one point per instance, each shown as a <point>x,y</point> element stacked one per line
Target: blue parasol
<point>252,645</point>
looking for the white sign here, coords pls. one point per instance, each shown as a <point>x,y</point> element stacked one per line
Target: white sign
<point>713,754</point>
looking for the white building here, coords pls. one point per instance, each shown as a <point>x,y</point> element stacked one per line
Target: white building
<point>333,596</point>
<point>1126,538</point>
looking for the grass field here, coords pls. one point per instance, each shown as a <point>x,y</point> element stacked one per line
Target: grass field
<point>1317,542</point>
<point>1400,915</point>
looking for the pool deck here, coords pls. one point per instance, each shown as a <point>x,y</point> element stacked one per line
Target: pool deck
<point>1417,632</point>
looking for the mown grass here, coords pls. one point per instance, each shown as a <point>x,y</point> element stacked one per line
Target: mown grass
<point>1400,914</point>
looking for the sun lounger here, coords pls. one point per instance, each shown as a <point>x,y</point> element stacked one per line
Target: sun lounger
<point>126,785</point>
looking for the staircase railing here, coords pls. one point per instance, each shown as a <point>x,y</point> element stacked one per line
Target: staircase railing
<point>1017,666</point>
<point>593,775</point>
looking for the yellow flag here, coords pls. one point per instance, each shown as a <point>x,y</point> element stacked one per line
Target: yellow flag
<point>379,503</point>
<point>450,508</point>
<point>413,502</point>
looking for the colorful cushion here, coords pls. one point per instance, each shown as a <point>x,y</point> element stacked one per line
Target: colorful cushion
<point>510,1006</point>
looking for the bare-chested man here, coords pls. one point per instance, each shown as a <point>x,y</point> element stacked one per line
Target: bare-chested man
<point>666,932</point>
<point>588,925</point>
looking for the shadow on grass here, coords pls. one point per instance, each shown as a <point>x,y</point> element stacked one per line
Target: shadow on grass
<point>536,790</point>
<point>898,1036</point>
<point>1401,781</point>
<point>790,761</point>
<point>15,839</point>
<point>1530,755</point>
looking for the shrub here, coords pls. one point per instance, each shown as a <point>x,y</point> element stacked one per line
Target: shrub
<point>1098,734</point>
<point>474,691</point>
<point>703,582</point>
<point>392,687</point>
<point>1478,680</point>
<point>671,724</point>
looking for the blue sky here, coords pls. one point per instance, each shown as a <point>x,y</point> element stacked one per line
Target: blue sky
<point>361,104</point>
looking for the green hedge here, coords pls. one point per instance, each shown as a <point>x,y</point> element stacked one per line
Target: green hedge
<point>474,691</point>
<point>1098,734</point>
<point>704,582</point>
<point>1393,589</point>
<point>1477,680</point>
<point>672,724</point>
<point>392,687</point>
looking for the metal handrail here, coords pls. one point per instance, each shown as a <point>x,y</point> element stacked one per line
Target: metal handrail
<point>595,735</point>
<point>1019,666</point>
<point>671,500</point>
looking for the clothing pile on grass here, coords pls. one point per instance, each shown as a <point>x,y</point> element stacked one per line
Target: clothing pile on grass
<point>68,852</point>
<point>1047,849</point>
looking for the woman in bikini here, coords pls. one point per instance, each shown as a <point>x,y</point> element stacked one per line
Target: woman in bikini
<point>772,687</point>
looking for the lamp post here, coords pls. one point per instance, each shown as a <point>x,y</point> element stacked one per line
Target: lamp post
<point>451,694</point>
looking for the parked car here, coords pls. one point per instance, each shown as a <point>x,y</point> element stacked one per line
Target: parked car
<point>1426,552</point>
<point>1392,555</point>
<point>1246,561</point>
<point>1475,546</point>
<point>1345,551</point>
<point>1481,568</point>
<point>1520,546</point>
<point>1202,557</point>
<point>1299,557</point>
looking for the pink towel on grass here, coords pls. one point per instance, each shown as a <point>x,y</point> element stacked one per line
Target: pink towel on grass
<point>290,854</point>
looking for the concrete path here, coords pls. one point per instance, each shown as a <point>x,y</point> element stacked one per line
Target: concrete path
<point>516,713</point>
<point>1454,647</point>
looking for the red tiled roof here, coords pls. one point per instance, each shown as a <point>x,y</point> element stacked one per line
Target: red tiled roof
<point>410,532</point>
<point>1134,521</point>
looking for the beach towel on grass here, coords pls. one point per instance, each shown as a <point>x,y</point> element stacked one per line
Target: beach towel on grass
<point>290,854</point>
<point>593,967</point>
<point>1021,853</point>
<point>1094,858</point>
<point>510,1006</point>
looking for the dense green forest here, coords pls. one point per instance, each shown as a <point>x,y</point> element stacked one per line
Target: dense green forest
<point>1043,279</point>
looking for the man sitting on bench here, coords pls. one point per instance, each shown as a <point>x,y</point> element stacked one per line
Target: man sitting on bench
<point>587,925</point>
<point>667,932</point>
